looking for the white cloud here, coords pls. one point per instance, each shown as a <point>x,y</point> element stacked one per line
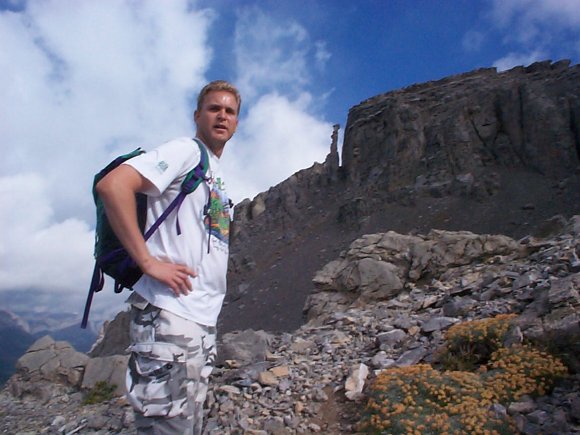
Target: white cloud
<point>322,55</point>
<point>36,250</point>
<point>273,55</point>
<point>84,81</point>
<point>280,135</point>
<point>563,13</point>
<point>535,23</point>
<point>535,29</point>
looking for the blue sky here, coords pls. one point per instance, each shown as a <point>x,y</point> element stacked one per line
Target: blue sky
<point>82,81</point>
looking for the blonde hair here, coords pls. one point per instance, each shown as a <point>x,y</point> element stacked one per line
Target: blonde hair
<point>219,85</point>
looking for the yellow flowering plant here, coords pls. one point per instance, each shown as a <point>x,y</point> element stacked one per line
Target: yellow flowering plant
<point>421,400</point>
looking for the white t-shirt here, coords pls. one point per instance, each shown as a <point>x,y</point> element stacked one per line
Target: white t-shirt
<point>166,167</point>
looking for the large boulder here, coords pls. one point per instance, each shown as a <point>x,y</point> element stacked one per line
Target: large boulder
<point>109,369</point>
<point>55,361</point>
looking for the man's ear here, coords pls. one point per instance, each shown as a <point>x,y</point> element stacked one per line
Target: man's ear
<point>195,116</point>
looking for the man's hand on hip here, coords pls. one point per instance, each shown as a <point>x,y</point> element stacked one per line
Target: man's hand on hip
<point>174,276</point>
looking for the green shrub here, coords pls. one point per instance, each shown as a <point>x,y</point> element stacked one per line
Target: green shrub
<point>101,392</point>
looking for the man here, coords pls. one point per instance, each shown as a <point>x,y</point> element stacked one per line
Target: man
<point>175,305</point>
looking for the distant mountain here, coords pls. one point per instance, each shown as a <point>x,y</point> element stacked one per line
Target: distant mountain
<point>81,339</point>
<point>14,340</point>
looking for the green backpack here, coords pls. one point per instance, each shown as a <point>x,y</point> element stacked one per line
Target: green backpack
<point>110,257</point>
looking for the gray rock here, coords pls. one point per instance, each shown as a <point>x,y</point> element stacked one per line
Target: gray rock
<point>438,323</point>
<point>245,347</point>
<point>381,361</point>
<point>302,375</point>
<point>117,333</point>
<point>575,407</point>
<point>52,361</point>
<point>109,369</point>
<point>411,357</point>
<point>522,407</point>
<point>458,306</point>
<point>391,338</point>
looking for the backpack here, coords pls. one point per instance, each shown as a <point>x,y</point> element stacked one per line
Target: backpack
<point>110,257</point>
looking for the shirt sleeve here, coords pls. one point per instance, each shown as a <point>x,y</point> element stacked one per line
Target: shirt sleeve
<point>166,163</point>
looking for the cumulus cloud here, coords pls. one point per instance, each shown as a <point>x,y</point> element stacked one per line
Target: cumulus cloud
<point>271,55</point>
<point>280,135</point>
<point>36,251</point>
<point>85,81</point>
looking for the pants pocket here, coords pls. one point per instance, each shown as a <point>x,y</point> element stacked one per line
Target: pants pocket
<point>156,387</point>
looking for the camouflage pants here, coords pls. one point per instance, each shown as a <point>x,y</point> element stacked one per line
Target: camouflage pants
<point>167,376</point>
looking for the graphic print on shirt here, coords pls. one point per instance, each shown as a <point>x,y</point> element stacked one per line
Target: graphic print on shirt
<point>217,217</point>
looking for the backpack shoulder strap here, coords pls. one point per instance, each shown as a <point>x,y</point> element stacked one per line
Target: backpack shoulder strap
<point>191,182</point>
<point>198,174</point>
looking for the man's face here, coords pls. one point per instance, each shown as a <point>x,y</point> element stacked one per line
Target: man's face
<point>217,119</point>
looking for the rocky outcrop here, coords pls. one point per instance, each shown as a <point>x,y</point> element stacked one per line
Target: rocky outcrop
<point>461,275</point>
<point>113,338</point>
<point>378,266</point>
<point>360,323</point>
<point>47,361</point>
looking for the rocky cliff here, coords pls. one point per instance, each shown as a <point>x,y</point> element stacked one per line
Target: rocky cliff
<point>483,151</point>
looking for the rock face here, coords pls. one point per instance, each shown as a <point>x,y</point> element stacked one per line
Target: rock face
<point>486,152</point>
<point>446,135</point>
<point>385,302</point>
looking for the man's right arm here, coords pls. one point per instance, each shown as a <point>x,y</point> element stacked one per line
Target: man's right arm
<point>117,191</point>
